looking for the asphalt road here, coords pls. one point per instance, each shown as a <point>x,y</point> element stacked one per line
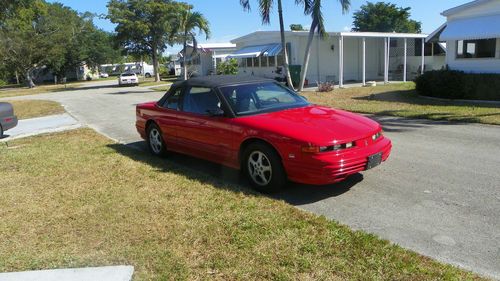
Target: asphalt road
<point>438,194</point>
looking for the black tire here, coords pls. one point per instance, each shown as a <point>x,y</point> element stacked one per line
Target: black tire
<point>147,75</point>
<point>1,132</point>
<point>258,174</point>
<point>156,144</point>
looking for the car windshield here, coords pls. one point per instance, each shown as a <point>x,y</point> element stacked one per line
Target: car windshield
<point>248,99</point>
<point>128,74</point>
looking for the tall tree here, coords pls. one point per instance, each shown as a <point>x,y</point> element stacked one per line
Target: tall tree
<point>144,26</point>
<point>50,36</point>
<point>313,8</point>
<point>186,26</point>
<point>265,7</point>
<point>385,17</point>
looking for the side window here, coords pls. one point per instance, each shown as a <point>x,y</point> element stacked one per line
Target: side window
<point>172,102</point>
<point>201,101</point>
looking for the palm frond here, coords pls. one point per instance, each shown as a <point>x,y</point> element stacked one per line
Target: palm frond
<point>345,4</point>
<point>196,20</point>
<point>245,4</point>
<point>265,7</point>
<point>307,4</point>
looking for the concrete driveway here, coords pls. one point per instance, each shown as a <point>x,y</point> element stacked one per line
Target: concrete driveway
<point>439,193</point>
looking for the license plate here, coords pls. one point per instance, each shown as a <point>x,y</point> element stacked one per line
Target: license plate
<point>374,160</point>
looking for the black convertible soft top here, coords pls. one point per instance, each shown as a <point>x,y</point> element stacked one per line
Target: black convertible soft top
<point>221,80</point>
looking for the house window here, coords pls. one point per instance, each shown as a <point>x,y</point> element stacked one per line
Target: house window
<point>272,61</point>
<point>484,48</point>
<point>256,62</point>
<point>195,60</point>
<point>243,63</point>
<point>280,60</point>
<point>263,61</point>
<point>249,62</point>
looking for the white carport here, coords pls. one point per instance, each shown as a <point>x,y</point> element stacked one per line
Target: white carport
<point>387,37</point>
<point>341,57</point>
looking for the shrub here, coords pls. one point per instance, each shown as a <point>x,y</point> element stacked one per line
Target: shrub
<point>459,85</point>
<point>164,71</point>
<point>228,67</point>
<point>325,87</point>
<point>2,83</point>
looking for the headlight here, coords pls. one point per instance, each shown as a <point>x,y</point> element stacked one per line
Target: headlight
<point>377,136</point>
<point>318,149</point>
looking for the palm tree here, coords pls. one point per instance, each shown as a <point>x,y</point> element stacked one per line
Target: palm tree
<point>189,22</point>
<point>313,8</point>
<point>265,12</point>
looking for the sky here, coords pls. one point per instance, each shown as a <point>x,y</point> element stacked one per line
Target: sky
<point>228,20</point>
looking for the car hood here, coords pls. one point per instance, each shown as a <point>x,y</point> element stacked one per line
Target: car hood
<point>313,124</point>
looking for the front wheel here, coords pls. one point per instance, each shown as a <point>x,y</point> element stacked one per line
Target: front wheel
<point>155,141</point>
<point>263,168</point>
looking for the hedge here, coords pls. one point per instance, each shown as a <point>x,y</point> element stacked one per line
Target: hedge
<point>450,84</point>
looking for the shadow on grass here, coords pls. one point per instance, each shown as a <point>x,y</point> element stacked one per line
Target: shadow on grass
<point>229,179</point>
<point>392,122</point>
<point>411,97</point>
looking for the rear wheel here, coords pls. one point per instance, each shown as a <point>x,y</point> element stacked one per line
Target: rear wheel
<point>148,75</point>
<point>155,141</point>
<point>263,168</point>
<point>1,132</point>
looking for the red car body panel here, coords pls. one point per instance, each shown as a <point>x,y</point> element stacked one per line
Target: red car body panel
<point>219,139</point>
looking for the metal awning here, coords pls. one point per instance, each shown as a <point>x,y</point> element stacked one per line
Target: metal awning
<point>483,27</point>
<point>256,51</point>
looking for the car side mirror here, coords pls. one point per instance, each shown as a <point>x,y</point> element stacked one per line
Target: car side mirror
<point>215,112</point>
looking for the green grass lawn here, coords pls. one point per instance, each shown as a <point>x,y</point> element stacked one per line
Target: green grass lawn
<point>78,199</point>
<point>22,90</point>
<point>25,109</point>
<point>402,100</point>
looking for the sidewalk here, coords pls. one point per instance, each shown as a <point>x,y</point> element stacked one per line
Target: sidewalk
<point>107,273</point>
<point>41,125</point>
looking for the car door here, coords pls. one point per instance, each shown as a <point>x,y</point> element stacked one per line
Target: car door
<point>168,117</point>
<point>204,131</point>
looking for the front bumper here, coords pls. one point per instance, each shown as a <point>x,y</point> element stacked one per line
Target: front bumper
<point>8,122</point>
<point>328,168</point>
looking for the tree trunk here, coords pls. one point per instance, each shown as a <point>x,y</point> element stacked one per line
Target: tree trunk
<point>283,46</point>
<point>17,77</point>
<point>184,60</point>
<point>29,80</point>
<point>156,65</point>
<point>307,55</point>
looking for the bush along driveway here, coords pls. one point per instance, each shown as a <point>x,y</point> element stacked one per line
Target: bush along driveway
<point>401,100</point>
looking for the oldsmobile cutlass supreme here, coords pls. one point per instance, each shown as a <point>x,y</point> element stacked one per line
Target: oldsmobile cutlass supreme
<point>268,131</point>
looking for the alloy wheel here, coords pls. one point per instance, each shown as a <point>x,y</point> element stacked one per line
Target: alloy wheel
<point>259,168</point>
<point>155,140</point>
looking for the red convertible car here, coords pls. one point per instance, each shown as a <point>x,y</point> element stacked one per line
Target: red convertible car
<point>268,131</point>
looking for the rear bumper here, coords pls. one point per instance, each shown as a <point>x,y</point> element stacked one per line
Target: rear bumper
<point>8,122</point>
<point>141,130</point>
<point>328,168</point>
<point>128,82</point>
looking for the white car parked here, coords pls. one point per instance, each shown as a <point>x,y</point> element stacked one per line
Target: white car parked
<point>128,78</point>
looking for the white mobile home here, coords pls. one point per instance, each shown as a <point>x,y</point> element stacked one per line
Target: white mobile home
<point>342,56</point>
<point>472,36</point>
<point>204,61</point>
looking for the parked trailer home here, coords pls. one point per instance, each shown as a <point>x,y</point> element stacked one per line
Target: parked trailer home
<point>342,56</point>
<point>204,61</point>
<point>472,36</point>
